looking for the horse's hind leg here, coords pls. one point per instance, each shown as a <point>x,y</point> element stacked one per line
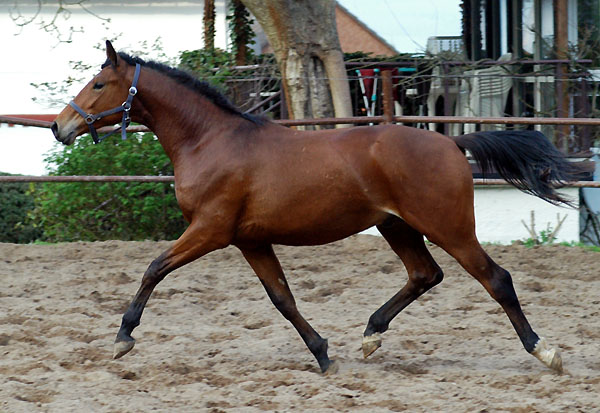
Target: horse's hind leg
<point>265,264</point>
<point>423,274</point>
<point>498,283</point>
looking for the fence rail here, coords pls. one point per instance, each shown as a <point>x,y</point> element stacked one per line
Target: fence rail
<point>87,178</point>
<point>302,122</point>
<point>169,178</point>
<point>366,119</point>
<point>443,119</point>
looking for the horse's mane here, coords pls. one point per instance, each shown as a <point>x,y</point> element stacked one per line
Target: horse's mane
<point>191,82</point>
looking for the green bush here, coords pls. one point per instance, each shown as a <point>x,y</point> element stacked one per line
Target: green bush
<point>212,66</point>
<point>15,204</point>
<point>111,210</point>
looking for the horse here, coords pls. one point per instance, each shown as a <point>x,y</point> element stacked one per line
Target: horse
<point>245,181</point>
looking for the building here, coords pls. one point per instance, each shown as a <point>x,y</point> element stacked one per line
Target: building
<point>524,58</point>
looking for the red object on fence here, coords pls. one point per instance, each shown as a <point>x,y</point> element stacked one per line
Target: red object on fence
<point>368,78</point>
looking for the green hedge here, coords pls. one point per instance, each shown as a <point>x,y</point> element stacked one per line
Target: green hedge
<point>15,204</point>
<point>116,210</point>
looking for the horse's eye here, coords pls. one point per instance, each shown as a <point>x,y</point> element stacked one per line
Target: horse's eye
<point>98,85</point>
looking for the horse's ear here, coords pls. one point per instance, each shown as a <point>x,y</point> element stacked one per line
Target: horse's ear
<point>111,54</point>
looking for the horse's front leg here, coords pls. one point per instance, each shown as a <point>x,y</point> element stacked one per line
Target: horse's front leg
<point>265,264</point>
<point>195,242</point>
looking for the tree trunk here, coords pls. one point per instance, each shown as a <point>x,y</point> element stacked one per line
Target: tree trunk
<point>241,32</point>
<point>304,38</point>
<point>209,24</point>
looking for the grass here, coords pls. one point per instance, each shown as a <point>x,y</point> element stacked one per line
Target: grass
<point>38,242</point>
<point>594,248</point>
<point>530,243</point>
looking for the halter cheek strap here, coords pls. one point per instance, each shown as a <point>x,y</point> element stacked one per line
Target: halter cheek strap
<point>125,108</point>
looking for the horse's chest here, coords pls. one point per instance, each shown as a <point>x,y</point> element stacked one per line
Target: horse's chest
<point>207,193</point>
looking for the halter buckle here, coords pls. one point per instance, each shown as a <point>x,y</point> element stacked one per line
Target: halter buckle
<point>133,91</point>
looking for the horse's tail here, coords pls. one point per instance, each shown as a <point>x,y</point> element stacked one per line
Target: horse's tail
<point>525,159</point>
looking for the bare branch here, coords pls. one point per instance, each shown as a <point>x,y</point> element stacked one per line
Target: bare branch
<point>63,11</point>
<point>531,230</point>
<point>553,235</point>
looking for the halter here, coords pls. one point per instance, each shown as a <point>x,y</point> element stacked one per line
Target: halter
<point>125,108</point>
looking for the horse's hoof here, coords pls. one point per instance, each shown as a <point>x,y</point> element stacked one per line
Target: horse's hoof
<point>332,368</point>
<point>122,348</point>
<point>548,355</point>
<point>370,344</point>
<point>556,363</point>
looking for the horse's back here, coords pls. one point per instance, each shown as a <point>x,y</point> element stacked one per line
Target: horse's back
<point>408,158</point>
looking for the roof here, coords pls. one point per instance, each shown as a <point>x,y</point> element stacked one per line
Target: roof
<point>356,36</point>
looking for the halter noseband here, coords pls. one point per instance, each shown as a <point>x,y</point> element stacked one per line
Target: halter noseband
<point>125,108</point>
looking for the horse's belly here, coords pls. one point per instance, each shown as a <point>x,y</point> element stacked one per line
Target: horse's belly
<point>308,229</point>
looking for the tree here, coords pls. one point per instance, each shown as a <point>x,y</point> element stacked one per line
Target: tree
<point>304,38</point>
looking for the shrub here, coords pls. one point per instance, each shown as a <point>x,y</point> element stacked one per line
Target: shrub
<point>16,204</point>
<point>108,210</point>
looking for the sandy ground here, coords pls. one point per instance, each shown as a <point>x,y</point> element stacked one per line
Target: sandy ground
<point>210,340</point>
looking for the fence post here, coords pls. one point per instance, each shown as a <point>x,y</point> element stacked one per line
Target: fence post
<point>387,88</point>
<point>562,97</point>
<point>446,82</point>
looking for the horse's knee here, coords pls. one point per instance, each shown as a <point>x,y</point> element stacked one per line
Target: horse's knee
<point>501,287</point>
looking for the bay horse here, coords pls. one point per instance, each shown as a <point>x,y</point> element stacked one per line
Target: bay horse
<point>244,181</point>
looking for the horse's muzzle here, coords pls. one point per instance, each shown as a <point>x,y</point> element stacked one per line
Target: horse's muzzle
<point>61,135</point>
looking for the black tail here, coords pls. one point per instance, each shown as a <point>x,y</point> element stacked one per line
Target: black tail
<point>525,159</point>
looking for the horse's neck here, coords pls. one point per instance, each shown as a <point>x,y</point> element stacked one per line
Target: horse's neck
<point>178,115</point>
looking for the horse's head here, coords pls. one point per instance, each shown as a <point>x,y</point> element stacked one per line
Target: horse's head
<point>104,101</point>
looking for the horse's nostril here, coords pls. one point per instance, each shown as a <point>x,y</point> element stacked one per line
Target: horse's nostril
<point>54,129</point>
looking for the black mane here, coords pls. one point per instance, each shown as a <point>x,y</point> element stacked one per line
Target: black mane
<point>186,79</point>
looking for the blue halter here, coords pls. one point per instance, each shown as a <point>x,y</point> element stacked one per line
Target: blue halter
<point>125,108</point>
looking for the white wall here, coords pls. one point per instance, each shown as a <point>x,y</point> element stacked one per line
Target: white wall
<point>499,211</point>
